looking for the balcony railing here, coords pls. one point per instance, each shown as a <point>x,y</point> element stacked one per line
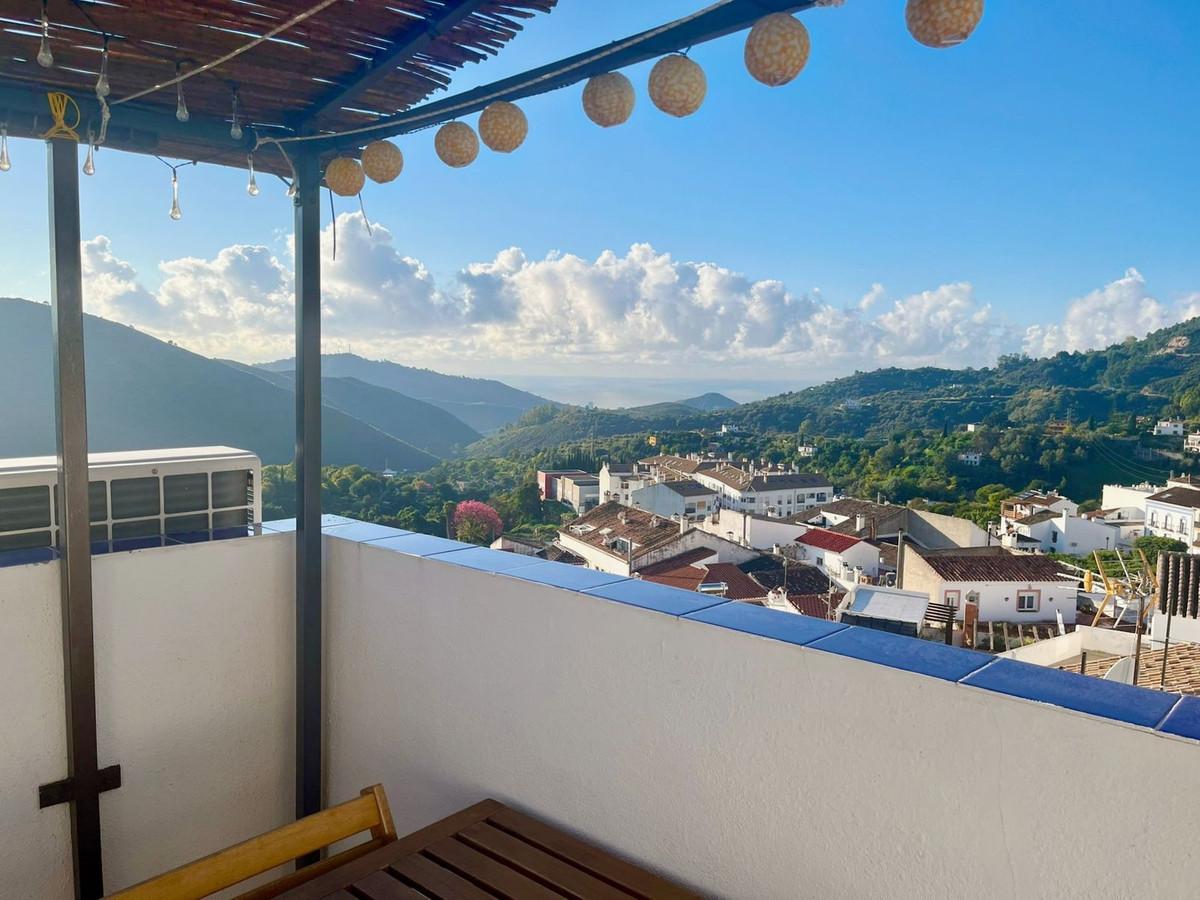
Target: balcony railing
<point>741,751</point>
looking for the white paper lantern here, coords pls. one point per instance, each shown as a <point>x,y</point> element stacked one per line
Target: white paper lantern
<point>776,49</point>
<point>456,144</point>
<point>942,23</point>
<point>502,126</point>
<point>677,85</point>
<point>608,99</point>
<point>382,161</point>
<point>344,176</point>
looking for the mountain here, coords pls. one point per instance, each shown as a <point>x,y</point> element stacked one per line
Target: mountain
<point>482,403</point>
<point>709,402</point>
<point>1154,376</point>
<point>415,422</point>
<point>144,393</point>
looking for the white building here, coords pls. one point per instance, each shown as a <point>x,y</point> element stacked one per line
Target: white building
<point>766,491</point>
<point>676,499</point>
<point>1128,499</point>
<point>805,450</point>
<point>618,481</point>
<point>1174,513</point>
<point>1191,443</point>
<point>970,459</point>
<point>1006,587</point>
<point>751,529</point>
<point>1025,504</point>
<point>1169,428</point>
<point>843,557</point>
<point>1047,531</point>
<point>580,492</point>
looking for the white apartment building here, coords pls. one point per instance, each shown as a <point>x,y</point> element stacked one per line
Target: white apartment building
<point>970,459</point>
<point>1191,443</point>
<point>766,492</point>
<point>618,481</point>
<point>1057,532</point>
<point>1174,513</point>
<point>1169,428</point>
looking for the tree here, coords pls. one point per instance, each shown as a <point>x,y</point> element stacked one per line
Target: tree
<point>1152,545</point>
<point>476,522</point>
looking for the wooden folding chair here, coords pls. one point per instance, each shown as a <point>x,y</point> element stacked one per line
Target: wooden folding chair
<point>233,865</point>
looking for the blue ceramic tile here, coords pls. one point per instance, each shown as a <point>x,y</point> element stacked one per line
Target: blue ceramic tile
<point>363,531</point>
<point>189,537</point>
<point>327,521</point>
<point>575,578</point>
<point>27,556</point>
<point>486,560</point>
<point>1184,719</point>
<point>419,544</point>
<point>771,623</point>
<point>901,652</point>
<point>1124,702</point>
<point>649,595</point>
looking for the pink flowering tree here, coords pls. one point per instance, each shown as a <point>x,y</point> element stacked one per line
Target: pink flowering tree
<point>476,522</point>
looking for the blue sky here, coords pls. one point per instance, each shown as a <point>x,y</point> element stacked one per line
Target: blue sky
<point>1037,163</point>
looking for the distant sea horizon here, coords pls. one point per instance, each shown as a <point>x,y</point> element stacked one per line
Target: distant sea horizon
<point>611,392</point>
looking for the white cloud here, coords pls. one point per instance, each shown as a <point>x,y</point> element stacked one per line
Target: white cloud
<point>641,309</point>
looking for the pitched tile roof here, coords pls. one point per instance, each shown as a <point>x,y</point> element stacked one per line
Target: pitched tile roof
<point>686,558</point>
<point>741,480</point>
<point>681,572</point>
<point>825,539</point>
<point>819,606</point>
<point>1178,496</point>
<point>611,520</point>
<point>955,565</point>
<point>689,489</point>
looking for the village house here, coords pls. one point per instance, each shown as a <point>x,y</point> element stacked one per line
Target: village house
<point>1026,503</point>
<point>1191,443</point>
<point>548,481</point>
<point>618,481</point>
<point>676,499</point>
<point>581,491</point>
<point>1174,513</point>
<point>970,459</point>
<point>1047,531</point>
<point>1169,428</point>
<point>844,558</point>
<point>1005,587</point>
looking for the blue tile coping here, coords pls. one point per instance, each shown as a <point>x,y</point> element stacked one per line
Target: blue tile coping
<point>658,597</point>
<point>415,544</point>
<point>1110,699</point>
<point>575,578</point>
<point>902,652</point>
<point>1184,719</point>
<point>770,623</point>
<point>486,560</point>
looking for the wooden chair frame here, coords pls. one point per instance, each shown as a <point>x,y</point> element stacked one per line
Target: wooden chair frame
<point>233,865</point>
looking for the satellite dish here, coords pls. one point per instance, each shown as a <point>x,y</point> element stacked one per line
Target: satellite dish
<point>1121,671</point>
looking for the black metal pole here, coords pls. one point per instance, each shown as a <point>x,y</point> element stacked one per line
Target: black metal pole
<point>82,784</point>
<point>308,484</point>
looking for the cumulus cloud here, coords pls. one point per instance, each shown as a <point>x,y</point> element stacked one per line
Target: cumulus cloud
<point>640,307</point>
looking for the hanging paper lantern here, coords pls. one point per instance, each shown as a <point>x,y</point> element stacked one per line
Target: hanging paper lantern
<point>503,126</point>
<point>382,161</point>
<point>776,49</point>
<point>344,176</point>
<point>456,144</point>
<point>942,23</point>
<point>608,99</point>
<point>677,85</point>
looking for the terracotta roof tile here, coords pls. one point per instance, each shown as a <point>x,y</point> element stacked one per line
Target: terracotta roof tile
<point>825,539</point>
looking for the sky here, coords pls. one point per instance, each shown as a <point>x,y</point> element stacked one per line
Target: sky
<point>1031,190</point>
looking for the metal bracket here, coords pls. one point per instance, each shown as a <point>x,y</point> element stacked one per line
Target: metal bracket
<point>56,792</point>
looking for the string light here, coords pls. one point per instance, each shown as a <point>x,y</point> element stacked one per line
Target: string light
<point>235,130</point>
<point>181,110</point>
<point>89,163</point>
<point>176,212</point>
<point>102,88</point>
<point>252,187</point>
<point>5,163</point>
<point>45,57</point>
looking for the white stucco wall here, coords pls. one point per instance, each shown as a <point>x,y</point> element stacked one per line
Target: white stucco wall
<point>741,766</point>
<point>194,675</point>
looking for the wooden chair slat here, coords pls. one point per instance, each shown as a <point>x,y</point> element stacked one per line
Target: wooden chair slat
<point>482,869</point>
<point>540,865</point>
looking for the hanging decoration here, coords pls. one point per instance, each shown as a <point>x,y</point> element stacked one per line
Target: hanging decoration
<point>503,126</point>
<point>942,23</point>
<point>235,128</point>
<point>176,212</point>
<point>677,85</point>
<point>344,176</point>
<point>181,110</point>
<point>45,58</point>
<point>102,87</point>
<point>252,187</point>
<point>60,103</point>
<point>89,162</point>
<point>5,162</point>
<point>382,161</point>
<point>777,49</point>
<point>456,144</point>
<point>608,99</point>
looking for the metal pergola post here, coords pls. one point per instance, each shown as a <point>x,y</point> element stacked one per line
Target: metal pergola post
<point>85,780</point>
<point>308,484</point>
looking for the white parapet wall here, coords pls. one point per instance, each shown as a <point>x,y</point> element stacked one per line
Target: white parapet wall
<point>739,765</point>
<point>194,676</point>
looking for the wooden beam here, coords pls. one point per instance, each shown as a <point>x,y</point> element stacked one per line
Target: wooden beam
<point>708,24</point>
<point>406,45</point>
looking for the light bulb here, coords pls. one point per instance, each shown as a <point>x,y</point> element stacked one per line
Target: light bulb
<point>45,58</point>
<point>5,163</point>
<point>102,88</point>
<point>252,187</point>
<point>181,111</point>
<point>176,212</point>
<point>291,191</point>
<point>89,163</point>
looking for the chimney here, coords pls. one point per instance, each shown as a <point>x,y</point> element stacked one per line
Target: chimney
<point>621,517</point>
<point>683,524</point>
<point>860,522</point>
<point>900,559</point>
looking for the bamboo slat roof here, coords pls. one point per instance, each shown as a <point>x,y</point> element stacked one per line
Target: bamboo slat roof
<point>347,65</point>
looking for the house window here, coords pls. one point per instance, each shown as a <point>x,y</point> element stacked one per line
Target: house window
<point>1028,601</point>
<point>1154,518</point>
<point>952,598</point>
<point>1167,523</point>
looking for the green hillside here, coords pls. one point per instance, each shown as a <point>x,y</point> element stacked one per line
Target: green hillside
<point>145,393</point>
